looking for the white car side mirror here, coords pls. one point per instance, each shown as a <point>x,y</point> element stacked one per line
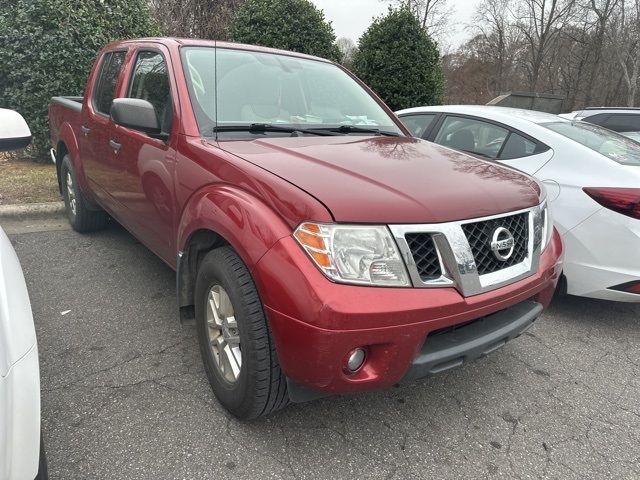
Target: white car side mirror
<point>14,131</point>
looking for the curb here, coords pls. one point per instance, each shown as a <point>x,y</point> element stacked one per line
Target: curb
<point>32,210</point>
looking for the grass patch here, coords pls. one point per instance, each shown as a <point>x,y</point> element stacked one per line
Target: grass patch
<point>27,182</point>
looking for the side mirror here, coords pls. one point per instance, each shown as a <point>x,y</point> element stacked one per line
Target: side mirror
<point>136,114</point>
<point>14,131</point>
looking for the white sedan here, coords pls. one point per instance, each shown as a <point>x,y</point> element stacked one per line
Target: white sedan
<point>21,452</point>
<point>592,177</point>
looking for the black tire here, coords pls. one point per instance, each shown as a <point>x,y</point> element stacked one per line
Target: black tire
<point>260,388</point>
<point>84,219</point>
<point>43,469</point>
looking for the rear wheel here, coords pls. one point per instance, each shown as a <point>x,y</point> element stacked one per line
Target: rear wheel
<point>82,218</point>
<point>235,341</point>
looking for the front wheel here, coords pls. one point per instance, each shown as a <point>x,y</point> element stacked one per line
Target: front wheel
<point>81,217</point>
<point>235,341</point>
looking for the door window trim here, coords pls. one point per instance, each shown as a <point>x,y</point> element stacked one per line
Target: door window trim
<point>98,84</point>
<point>134,61</point>
<point>540,146</point>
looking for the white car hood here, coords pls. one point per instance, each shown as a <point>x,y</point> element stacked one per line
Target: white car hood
<point>17,332</point>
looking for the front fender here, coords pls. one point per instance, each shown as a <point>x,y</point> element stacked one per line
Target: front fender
<point>249,225</point>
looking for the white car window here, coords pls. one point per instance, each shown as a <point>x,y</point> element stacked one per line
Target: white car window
<point>610,144</point>
<point>418,124</point>
<point>471,135</point>
<point>517,147</point>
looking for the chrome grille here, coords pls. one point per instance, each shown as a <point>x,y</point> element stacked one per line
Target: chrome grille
<point>456,254</point>
<point>479,235</point>
<point>424,255</point>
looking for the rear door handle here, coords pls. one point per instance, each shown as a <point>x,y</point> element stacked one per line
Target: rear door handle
<point>85,130</point>
<point>115,145</point>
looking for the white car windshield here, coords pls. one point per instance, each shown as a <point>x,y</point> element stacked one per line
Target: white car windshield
<point>233,91</point>
<point>606,142</point>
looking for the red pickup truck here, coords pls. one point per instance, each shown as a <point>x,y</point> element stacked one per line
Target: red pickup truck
<point>318,247</point>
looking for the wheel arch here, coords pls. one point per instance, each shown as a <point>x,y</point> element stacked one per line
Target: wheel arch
<point>199,243</point>
<point>220,215</point>
<point>61,152</point>
<point>68,145</point>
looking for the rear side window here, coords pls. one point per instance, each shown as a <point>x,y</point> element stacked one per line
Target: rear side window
<point>418,124</point>
<point>471,135</point>
<point>150,82</point>
<point>105,90</point>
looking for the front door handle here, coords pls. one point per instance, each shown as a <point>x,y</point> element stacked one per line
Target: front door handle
<point>115,145</point>
<point>85,130</point>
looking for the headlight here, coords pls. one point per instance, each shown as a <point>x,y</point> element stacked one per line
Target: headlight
<point>547,225</point>
<point>358,254</point>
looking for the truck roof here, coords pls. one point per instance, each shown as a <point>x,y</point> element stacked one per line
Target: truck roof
<point>196,42</point>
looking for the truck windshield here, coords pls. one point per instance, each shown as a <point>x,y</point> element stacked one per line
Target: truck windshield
<point>610,144</point>
<point>241,94</point>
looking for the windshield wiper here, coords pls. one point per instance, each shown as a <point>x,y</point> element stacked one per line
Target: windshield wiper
<point>357,129</point>
<point>268,127</point>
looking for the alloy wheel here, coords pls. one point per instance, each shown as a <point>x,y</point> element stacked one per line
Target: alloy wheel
<point>71,194</point>
<point>223,333</point>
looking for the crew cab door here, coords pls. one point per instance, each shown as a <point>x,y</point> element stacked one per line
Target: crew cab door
<point>96,153</point>
<point>146,163</point>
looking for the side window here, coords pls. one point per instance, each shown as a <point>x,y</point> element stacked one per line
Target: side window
<point>623,123</point>
<point>471,135</point>
<point>517,146</point>
<point>599,119</point>
<point>150,82</point>
<point>105,90</point>
<point>418,124</point>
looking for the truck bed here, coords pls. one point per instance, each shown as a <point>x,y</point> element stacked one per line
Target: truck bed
<point>64,111</point>
<point>74,103</point>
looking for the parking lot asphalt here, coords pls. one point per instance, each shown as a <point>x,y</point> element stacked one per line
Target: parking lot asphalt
<point>124,395</point>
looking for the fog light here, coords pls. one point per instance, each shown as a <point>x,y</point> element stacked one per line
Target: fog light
<point>355,360</point>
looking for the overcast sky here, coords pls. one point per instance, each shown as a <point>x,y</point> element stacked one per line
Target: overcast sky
<point>350,18</point>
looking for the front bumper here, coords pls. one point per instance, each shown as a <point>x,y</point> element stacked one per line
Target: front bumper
<point>457,345</point>
<point>316,323</point>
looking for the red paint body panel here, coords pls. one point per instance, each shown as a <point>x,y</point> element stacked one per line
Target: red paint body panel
<point>255,193</point>
<point>316,323</point>
<point>387,180</point>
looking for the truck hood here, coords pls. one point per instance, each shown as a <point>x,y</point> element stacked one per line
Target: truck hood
<point>391,179</point>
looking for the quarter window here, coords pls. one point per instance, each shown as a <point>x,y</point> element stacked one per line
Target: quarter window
<point>150,82</point>
<point>105,91</point>
<point>517,146</point>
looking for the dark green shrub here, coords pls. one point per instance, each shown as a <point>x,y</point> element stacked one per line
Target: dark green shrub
<point>295,25</point>
<point>400,61</point>
<point>47,48</point>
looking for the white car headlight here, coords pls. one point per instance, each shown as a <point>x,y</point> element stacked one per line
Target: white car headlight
<point>357,254</point>
<point>547,224</point>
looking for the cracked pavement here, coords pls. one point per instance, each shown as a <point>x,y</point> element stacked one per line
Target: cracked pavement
<point>124,394</point>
